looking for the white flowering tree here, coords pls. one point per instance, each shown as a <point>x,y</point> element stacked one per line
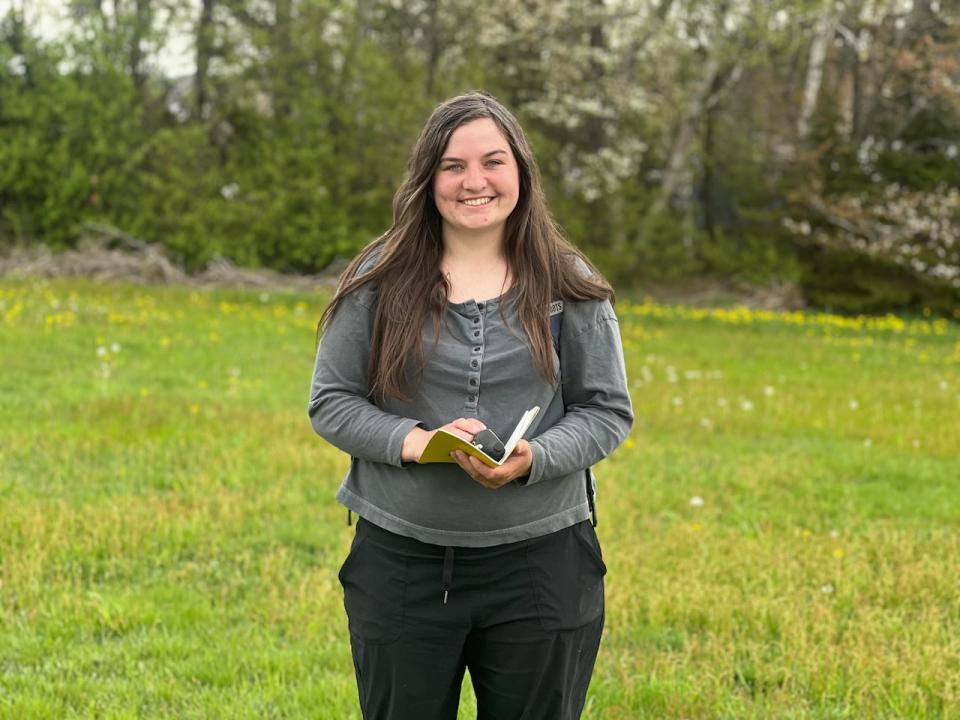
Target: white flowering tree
<point>882,179</point>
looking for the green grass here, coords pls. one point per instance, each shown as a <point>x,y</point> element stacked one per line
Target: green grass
<point>169,540</point>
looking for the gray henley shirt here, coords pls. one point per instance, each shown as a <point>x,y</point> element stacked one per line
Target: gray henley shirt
<point>481,367</point>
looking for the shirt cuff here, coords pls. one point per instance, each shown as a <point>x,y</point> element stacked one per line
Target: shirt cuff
<point>395,443</point>
<point>536,466</point>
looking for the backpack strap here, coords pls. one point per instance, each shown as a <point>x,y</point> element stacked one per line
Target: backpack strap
<point>556,324</point>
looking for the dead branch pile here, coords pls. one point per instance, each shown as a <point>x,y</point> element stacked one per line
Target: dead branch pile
<point>106,254</point>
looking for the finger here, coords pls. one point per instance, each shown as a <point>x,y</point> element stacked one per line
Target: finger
<point>462,459</point>
<point>478,467</point>
<point>477,471</point>
<point>521,448</point>
<point>453,430</point>
<point>470,425</point>
<point>488,476</point>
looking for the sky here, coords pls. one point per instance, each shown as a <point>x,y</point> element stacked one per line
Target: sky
<point>50,20</point>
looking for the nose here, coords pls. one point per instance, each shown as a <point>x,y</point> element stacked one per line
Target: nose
<point>473,178</point>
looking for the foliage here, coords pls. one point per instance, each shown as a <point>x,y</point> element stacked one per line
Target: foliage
<point>676,138</point>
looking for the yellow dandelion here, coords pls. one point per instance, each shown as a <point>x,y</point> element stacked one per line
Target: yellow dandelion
<point>12,313</point>
<point>144,392</point>
<point>696,527</point>
<point>806,533</point>
<point>630,444</point>
<point>838,553</point>
<point>164,342</point>
<point>202,384</point>
<point>194,409</point>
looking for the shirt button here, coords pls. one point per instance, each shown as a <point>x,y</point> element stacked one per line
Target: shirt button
<point>476,321</point>
<point>480,306</point>
<point>474,363</point>
<point>476,348</point>
<point>472,398</point>
<point>477,334</point>
<point>473,382</point>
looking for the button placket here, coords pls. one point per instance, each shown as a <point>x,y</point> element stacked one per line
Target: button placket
<point>473,376</point>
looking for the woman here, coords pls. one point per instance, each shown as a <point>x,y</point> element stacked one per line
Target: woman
<point>452,319</point>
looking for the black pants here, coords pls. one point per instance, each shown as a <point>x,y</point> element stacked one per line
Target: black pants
<point>524,617</point>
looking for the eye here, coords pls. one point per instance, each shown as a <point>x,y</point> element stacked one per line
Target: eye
<point>494,162</point>
<point>453,166</point>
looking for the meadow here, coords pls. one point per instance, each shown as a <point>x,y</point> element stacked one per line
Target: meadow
<point>781,528</point>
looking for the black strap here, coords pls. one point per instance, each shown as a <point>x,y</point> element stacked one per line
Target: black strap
<point>353,462</point>
<point>591,501</point>
<point>556,324</point>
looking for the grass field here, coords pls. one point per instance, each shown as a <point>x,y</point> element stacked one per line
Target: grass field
<point>781,528</point>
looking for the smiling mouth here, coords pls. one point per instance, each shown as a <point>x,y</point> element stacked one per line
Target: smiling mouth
<point>477,202</point>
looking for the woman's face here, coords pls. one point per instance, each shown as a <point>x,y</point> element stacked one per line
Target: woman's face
<point>477,184</point>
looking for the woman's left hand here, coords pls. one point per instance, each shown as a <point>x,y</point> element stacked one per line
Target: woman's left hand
<point>517,465</point>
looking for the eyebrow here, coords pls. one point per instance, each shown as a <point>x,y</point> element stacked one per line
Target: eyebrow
<point>486,155</point>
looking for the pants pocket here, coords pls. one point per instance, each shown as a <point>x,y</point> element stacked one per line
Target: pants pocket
<point>566,570</point>
<point>374,584</point>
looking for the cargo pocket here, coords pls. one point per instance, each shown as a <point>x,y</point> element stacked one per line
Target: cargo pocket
<point>374,584</point>
<point>566,570</point>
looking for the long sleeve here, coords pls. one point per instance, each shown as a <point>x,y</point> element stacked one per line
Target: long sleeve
<point>598,412</point>
<point>339,408</point>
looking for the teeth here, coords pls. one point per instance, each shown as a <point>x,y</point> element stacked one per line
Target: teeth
<point>477,201</point>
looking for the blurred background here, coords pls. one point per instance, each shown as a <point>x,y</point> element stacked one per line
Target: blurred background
<point>807,146</point>
<point>781,526</point>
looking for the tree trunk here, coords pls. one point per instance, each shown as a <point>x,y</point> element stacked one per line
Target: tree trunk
<point>680,151</point>
<point>818,54</point>
<point>707,182</point>
<point>434,45</point>
<point>141,27</point>
<point>863,75</point>
<point>204,54</point>
<point>282,47</point>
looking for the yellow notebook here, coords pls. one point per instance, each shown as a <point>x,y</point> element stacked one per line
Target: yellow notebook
<point>443,443</point>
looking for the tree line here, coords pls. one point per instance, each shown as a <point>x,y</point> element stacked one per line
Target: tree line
<point>815,142</point>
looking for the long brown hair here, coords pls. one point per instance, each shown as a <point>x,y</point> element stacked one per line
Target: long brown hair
<point>406,265</point>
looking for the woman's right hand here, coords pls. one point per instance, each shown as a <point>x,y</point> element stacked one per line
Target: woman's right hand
<point>417,439</point>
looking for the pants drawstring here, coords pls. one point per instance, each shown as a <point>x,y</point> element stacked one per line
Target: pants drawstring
<point>447,571</point>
